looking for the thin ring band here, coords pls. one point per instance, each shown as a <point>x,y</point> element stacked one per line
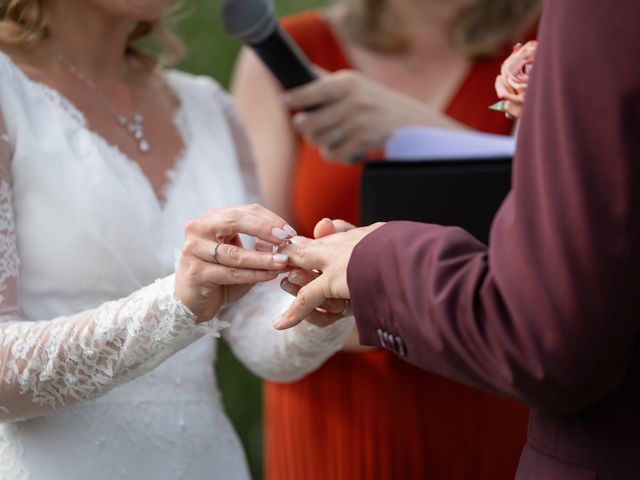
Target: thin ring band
<point>214,252</point>
<point>346,307</point>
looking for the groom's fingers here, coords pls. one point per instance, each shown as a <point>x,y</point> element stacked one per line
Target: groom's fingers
<point>329,307</point>
<point>306,254</point>
<point>309,298</point>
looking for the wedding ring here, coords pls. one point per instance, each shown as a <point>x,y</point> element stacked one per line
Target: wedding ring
<point>214,252</point>
<point>346,307</point>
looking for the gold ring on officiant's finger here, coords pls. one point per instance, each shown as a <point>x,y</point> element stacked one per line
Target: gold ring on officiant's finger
<point>214,252</point>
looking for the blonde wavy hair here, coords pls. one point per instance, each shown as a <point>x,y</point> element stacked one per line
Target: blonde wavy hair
<point>480,30</point>
<point>23,22</point>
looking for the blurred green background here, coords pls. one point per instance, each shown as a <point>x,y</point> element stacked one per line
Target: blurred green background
<point>210,51</point>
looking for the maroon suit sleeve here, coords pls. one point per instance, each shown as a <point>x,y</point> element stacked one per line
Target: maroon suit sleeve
<point>549,312</point>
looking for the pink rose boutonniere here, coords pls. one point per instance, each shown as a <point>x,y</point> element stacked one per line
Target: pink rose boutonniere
<point>511,84</point>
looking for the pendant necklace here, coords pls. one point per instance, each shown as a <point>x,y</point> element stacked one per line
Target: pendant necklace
<point>133,126</point>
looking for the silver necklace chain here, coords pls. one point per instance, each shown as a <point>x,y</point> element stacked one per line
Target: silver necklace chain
<point>133,126</point>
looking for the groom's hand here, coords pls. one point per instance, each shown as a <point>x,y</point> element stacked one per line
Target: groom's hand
<point>330,256</point>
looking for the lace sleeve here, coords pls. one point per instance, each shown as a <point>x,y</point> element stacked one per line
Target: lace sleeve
<point>47,365</point>
<point>281,356</point>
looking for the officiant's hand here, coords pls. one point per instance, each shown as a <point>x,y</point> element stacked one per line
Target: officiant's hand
<point>350,114</point>
<point>215,268</point>
<point>330,256</point>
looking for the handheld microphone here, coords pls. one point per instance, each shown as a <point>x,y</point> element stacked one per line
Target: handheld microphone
<point>253,22</point>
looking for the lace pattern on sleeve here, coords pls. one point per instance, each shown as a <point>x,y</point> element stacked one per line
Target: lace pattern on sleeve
<point>281,356</point>
<point>73,359</point>
<point>47,365</point>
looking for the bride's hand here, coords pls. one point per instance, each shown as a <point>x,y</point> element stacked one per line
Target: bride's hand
<point>204,282</point>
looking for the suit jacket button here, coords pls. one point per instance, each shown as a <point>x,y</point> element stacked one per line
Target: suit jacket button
<point>391,344</point>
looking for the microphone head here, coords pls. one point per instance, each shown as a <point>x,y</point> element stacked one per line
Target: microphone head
<point>250,21</point>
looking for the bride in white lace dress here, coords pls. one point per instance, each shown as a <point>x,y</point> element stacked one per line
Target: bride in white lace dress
<point>93,206</point>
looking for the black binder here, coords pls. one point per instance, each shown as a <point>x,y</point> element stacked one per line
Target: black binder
<point>464,193</point>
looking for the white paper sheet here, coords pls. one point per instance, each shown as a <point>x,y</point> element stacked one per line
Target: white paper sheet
<point>426,143</point>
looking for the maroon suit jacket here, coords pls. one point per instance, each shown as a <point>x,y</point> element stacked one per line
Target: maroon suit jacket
<point>549,312</point>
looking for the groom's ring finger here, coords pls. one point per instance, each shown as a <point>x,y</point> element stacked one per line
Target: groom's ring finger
<point>236,257</point>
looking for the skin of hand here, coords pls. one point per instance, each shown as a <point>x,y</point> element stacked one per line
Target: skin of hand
<point>351,115</point>
<point>204,283</point>
<point>331,310</point>
<point>299,278</point>
<point>330,256</point>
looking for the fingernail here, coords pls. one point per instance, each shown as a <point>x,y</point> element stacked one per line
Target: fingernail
<point>277,322</point>
<point>281,258</point>
<point>290,230</point>
<point>293,277</point>
<point>279,233</point>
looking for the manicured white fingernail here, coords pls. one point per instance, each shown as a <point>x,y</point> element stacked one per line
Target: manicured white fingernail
<point>279,233</point>
<point>277,322</point>
<point>290,230</point>
<point>281,258</point>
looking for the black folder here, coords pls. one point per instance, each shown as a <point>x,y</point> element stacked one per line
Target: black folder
<point>464,193</point>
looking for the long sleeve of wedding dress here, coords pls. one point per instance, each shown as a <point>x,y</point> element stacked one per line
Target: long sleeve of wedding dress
<point>50,364</point>
<point>281,356</point>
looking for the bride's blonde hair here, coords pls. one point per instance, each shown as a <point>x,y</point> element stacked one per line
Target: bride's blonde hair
<point>23,22</point>
<point>479,30</point>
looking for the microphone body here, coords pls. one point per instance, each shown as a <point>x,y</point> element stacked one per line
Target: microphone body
<point>253,23</point>
<point>284,59</point>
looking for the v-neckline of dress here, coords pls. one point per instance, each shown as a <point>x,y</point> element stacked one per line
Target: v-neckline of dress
<point>172,174</point>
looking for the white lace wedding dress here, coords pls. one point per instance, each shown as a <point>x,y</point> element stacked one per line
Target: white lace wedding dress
<point>124,389</point>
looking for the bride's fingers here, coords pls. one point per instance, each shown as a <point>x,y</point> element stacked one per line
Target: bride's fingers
<point>221,275</point>
<point>252,220</point>
<point>235,256</point>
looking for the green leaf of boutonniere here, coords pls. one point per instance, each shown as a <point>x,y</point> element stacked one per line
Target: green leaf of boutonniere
<point>499,107</point>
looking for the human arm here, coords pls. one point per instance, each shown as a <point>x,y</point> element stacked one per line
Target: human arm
<point>257,97</point>
<point>548,313</point>
<point>277,356</point>
<point>52,363</point>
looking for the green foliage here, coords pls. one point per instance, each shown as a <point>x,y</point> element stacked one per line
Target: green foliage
<point>211,52</point>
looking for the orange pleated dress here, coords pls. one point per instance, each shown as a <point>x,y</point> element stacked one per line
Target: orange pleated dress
<point>370,415</point>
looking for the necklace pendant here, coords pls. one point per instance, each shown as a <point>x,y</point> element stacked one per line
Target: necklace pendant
<point>143,146</point>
